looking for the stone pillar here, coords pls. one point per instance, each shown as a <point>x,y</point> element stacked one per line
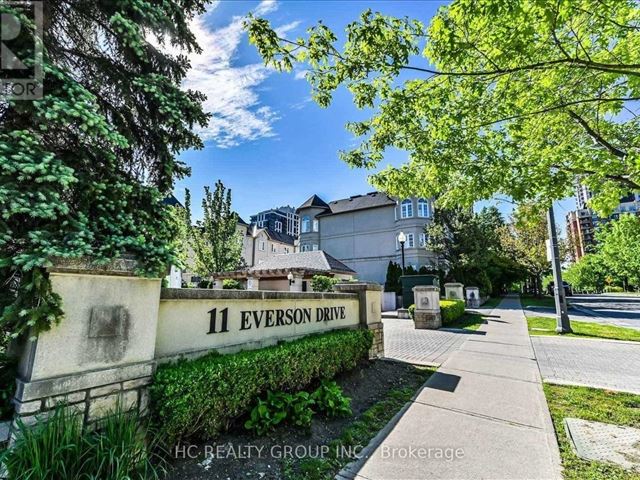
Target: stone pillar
<point>175,277</point>
<point>454,291</point>
<point>217,283</point>
<point>370,298</point>
<point>473,297</point>
<point>102,351</point>
<point>296,285</point>
<point>427,312</point>
<point>253,283</point>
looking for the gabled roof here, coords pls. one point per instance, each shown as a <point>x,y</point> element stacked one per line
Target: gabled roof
<point>360,202</point>
<point>317,261</point>
<point>279,236</point>
<point>172,201</point>
<point>241,221</point>
<point>314,201</point>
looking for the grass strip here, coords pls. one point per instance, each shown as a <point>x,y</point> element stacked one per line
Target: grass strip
<point>595,405</point>
<point>547,326</point>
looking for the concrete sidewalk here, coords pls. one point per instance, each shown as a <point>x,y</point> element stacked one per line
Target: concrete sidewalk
<point>482,415</point>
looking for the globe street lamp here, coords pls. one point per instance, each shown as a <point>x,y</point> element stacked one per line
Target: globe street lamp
<point>402,238</point>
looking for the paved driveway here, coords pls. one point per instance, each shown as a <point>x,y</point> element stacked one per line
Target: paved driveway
<point>605,364</point>
<point>421,347</point>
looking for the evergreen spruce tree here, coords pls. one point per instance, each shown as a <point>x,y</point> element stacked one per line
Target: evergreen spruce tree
<point>83,170</point>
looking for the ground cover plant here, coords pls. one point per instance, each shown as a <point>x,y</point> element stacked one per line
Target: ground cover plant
<point>595,405</point>
<point>121,447</point>
<point>203,397</point>
<point>547,326</point>
<point>368,385</point>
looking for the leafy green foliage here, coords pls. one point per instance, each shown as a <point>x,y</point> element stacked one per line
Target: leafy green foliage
<point>392,282</point>
<point>276,408</point>
<point>122,447</point>
<point>323,283</point>
<point>328,398</point>
<point>451,310</point>
<point>203,397</point>
<point>524,241</point>
<point>589,274</point>
<point>470,245</point>
<point>215,240</point>
<point>84,170</point>
<point>619,248</point>
<point>412,310</point>
<point>232,284</point>
<point>493,97</point>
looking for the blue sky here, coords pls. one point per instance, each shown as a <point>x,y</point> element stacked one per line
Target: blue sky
<point>267,140</point>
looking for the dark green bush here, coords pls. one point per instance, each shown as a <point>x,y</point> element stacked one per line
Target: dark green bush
<point>203,397</point>
<point>451,310</point>
<point>8,367</point>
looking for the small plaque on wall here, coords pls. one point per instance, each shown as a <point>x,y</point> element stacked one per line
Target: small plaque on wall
<point>107,321</point>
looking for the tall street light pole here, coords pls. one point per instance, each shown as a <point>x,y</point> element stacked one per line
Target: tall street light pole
<point>563,324</point>
<point>401,239</point>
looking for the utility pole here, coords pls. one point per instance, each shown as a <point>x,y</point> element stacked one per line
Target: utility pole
<point>563,324</point>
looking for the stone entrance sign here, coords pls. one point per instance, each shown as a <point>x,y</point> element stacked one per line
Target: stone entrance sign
<point>117,326</point>
<point>453,291</point>
<point>193,321</point>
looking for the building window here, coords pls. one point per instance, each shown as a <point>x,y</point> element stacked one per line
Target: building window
<point>422,239</point>
<point>305,247</point>
<point>262,245</point>
<point>315,247</point>
<point>410,243</point>
<point>273,248</point>
<point>406,209</point>
<point>286,249</point>
<point>278,226</point>
<point>423,207</point>
<point>315,225</point>
<point>306,224</point>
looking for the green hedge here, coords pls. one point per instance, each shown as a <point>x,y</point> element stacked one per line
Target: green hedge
<point>203,397</point>
<point>451,310</point>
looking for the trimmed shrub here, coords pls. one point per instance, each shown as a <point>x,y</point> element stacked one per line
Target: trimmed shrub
<point>451,310</point>
<point>322,283</point>
<point>203,397</point>
<point>232,284</point>
<point>412,310</point>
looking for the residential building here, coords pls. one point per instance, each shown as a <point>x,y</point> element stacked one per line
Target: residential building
<point>293,272</point>
<point>584,222</point>
<point>260,244</point>
<point>362,231</point>
<point>283,220</point>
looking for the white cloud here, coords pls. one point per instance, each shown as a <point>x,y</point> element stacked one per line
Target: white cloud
<point>286,28</point>
<point>237,114</point>
<point>266,6</point>
<point>301,74</point>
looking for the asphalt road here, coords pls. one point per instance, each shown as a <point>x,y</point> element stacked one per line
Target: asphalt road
<point>613,309</point>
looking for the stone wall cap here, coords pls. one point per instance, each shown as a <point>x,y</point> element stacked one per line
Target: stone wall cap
<point>358,287</point>
<point>426,288</point>
<point>125,267</point>
<point>472,288</point>
<point>453,284</point>
<point>212,294</point>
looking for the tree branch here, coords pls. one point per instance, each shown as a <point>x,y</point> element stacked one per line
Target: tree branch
<point>596,136</point>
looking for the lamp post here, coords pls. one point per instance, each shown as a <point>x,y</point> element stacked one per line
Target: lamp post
<point>402,238</point>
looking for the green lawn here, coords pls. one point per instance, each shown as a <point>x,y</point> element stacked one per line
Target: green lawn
<point>469,321</point>
<point>547,326</point>
<point>590,404</point>
<point>531,301</point>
